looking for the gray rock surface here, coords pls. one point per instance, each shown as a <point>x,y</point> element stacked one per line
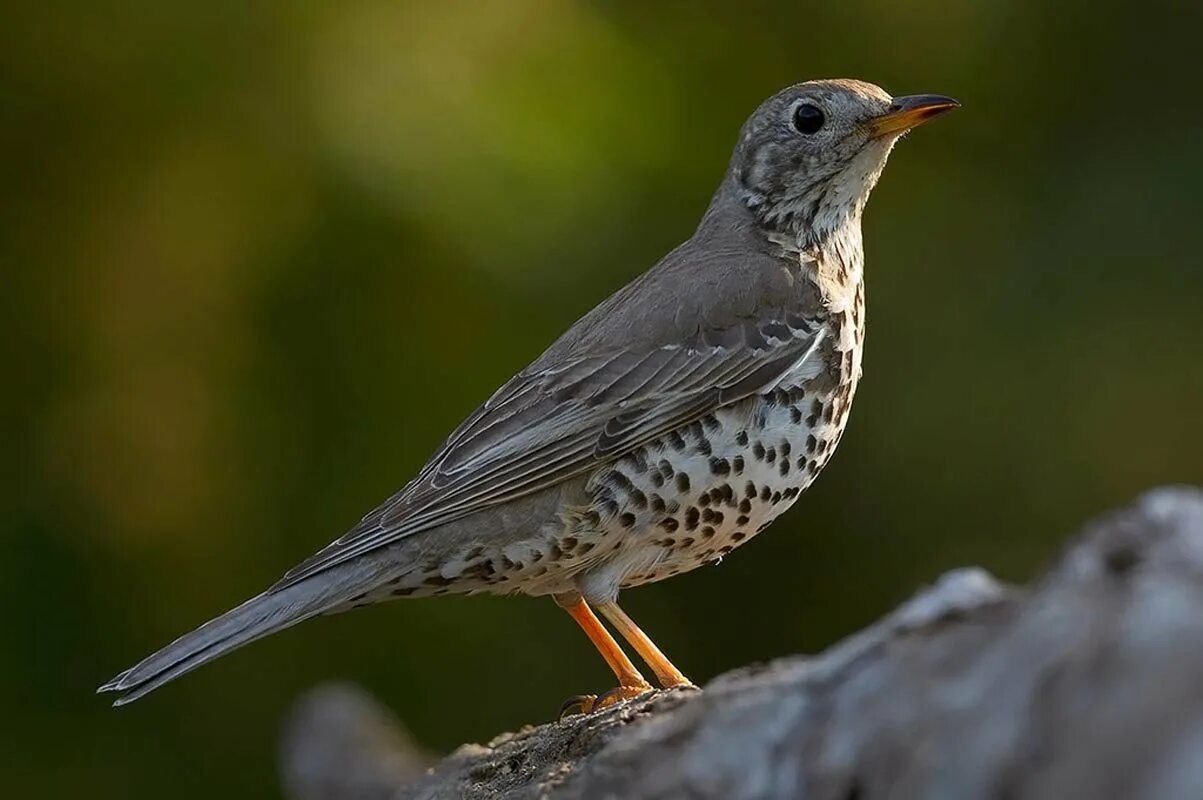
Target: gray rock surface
<point>1088,684</point>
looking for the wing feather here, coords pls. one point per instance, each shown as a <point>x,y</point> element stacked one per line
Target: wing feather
<point>567,418</point>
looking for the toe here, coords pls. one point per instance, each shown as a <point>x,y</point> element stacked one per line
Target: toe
<point>620,694</point>
<point>578,704</point>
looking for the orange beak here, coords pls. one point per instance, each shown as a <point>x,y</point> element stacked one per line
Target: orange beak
<point>908,112</point>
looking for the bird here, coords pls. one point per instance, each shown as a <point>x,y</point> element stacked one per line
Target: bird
<point>667,427</point>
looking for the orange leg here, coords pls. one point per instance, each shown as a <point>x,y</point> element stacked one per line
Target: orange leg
<point>666,673</point>
<point>630,682</point>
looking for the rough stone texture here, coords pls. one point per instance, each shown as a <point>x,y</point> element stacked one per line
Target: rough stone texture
<point>1089,684</point>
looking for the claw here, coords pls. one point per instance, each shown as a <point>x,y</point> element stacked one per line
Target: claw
<point>588,703</point>
<point>578,704</point>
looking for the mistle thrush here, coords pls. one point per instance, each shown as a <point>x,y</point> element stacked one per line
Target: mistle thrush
<point>667,427</point>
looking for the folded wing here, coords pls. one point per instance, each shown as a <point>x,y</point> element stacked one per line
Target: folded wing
<point>563,419</point>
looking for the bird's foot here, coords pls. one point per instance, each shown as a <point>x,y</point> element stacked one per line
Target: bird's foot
<point>588,703</point>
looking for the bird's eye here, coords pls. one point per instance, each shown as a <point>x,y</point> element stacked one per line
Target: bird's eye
<point>808,118</point>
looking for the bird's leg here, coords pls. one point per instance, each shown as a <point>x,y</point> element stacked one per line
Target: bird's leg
<point>666,673</point>
<point>630,682</point>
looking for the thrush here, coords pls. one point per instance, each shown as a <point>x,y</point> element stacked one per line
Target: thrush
<point>667,427</point>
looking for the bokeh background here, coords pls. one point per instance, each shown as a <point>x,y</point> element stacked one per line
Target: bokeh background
<point>259,258</point>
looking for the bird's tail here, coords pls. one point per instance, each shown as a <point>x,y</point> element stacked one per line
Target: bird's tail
<point>258,617</point>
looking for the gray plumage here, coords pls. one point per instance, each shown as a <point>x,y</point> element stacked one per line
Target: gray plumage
<point>637,446</point>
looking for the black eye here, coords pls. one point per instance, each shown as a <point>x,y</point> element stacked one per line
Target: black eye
<point>808,118</point>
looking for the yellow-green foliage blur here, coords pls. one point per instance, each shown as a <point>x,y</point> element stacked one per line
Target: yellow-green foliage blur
<point>259,258</point>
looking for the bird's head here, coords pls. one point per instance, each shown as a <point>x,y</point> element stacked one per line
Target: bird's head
<point>809,156</point>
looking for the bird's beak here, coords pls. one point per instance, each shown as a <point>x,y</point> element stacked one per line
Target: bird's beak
<point>907,112</point>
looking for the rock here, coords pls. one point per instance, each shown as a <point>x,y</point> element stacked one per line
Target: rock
<point>1087,684</point>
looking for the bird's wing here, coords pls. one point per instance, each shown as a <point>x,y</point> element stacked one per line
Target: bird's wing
<point>558,420</point>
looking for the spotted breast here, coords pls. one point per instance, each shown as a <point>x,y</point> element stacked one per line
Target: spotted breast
<point>695,495</point>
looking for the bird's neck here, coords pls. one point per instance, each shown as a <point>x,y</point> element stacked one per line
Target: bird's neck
<point>823,222</point>
<point>840,268</point>
<point>826,219</point>
<point>835,262</point>
<point>825,236</point>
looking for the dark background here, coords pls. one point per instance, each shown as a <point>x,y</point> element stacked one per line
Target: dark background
<point>259,258</point>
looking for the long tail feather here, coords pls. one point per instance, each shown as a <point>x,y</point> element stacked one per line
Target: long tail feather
<point>258,617</point>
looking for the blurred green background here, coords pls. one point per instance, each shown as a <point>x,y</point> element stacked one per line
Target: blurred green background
<point>259,258</point>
